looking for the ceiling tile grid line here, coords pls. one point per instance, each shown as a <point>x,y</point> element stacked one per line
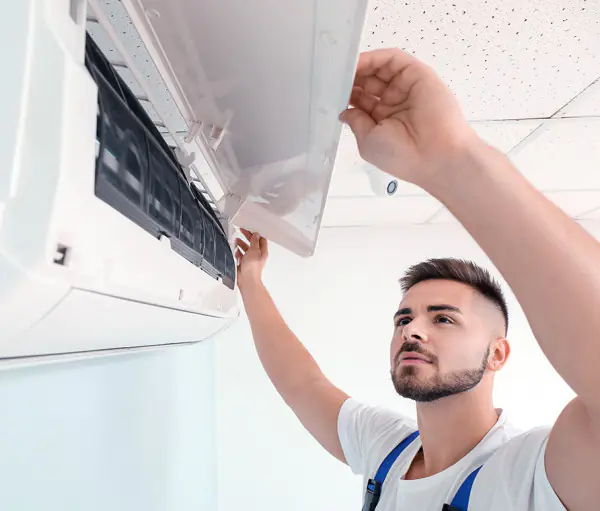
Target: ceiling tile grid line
<point>588,212</point>
<point>529,137</point>
<point>536,133</point>
<point>530,156</point>
<point>592,90</point>
<point>525,119</point>
<point>589,91</point>
<point>579,101</point>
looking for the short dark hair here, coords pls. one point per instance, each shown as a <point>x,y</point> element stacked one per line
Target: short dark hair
<point>459,270</point>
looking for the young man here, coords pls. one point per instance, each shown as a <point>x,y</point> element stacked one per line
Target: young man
<point>450,329</point>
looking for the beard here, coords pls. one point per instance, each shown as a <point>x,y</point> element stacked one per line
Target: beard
<point>407,384</point>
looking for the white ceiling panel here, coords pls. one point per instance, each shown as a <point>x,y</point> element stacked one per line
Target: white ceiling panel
<point>506,59</point>
<point>578,204</point>
<point>505,135</point>
<point>443,216</point>
<point>368,211</point>
<point>593,214</point>
<point>350,178</point>
<point>565,156</point>
<point>585,104</point>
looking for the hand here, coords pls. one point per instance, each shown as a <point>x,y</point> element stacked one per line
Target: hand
<point>251,259</point>
<point>405,120</point>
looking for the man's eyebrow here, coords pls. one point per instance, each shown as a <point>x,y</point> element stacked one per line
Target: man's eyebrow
<point>432,308</point>
<point>403,312</point>
<point>443,307</point>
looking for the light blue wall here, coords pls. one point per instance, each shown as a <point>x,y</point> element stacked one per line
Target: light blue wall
<point>128,432</point>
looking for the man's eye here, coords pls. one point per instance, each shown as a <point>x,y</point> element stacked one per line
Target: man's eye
<point>443,319</point>
<point>403,322</point>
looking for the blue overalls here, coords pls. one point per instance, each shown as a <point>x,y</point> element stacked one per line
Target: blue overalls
<point>374,486</point>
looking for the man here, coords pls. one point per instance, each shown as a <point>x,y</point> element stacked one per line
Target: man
<point>451,325</point>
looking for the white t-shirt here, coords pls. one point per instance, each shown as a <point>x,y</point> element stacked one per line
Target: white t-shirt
<point>513,477</point>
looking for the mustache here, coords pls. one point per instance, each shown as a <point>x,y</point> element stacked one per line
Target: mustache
<point>415,348</point>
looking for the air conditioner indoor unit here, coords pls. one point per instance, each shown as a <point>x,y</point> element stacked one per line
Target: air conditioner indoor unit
<point>137,135</point>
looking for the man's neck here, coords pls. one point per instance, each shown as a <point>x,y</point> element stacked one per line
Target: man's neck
<point>451,427</point>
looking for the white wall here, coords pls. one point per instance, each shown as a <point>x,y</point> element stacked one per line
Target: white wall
<point>340,304</point>
<point>129,432</point>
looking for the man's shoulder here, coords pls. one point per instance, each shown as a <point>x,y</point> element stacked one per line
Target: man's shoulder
<point>515,473</point>
<point>376,419</point>
<point>513,457</point>
<point>516,444</point>
<point>369,432</point>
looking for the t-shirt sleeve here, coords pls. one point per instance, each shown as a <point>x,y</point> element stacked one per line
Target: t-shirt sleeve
<point>517,474</point>
<point>544,496</point>
<point>368,434</point>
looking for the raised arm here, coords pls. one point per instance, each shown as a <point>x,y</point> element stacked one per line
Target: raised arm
<point>290,367</point>
<point>409,124</point>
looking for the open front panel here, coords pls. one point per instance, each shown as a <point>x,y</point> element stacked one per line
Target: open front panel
<point>263,83</point>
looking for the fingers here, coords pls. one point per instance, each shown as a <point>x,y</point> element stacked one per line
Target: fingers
<point>250,236</point>
<point>392,93</point>
<point>402,84</point>
<point>256,242</point>
<point>246,233</point>
<point>390,75</point>
<point>242,245</point>
<point>371,85</point>
<point>385,64</point>
<point>360,99</point>
<point>361,123</point>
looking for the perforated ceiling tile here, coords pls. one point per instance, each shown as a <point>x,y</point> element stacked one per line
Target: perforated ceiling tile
<point>565,156</point>
<point>367,211</point>
<point>505,59</point>
<point>579,204</point>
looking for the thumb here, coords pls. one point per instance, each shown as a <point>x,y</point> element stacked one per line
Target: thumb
<point>360,122</point>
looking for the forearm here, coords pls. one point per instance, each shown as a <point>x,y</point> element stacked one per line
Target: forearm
<point>286,361</point>
<point>550,262</point>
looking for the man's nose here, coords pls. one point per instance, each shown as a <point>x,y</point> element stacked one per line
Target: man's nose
<point>413,332</point>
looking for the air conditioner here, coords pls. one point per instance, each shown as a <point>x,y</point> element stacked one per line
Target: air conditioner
<point>136,135</point>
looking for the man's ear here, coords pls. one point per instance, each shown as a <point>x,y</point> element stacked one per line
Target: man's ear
<point>499,353</point>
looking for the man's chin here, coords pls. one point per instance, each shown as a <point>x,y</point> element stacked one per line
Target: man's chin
<point>410,388</point>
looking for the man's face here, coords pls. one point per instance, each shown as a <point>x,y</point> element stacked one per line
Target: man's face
<point>450,326</point>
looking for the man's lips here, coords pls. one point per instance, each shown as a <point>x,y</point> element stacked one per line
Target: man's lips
<point>411,361</point>
<point>413,358</point>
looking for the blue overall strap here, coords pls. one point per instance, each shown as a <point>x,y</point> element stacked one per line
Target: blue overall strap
<point>391,458</point>
<point>461,499</point>
<point>374,486</point>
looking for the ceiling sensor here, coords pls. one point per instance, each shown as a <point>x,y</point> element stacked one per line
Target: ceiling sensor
<point>382,183</point>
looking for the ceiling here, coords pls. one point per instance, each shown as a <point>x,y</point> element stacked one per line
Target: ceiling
<point>527,74</point>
